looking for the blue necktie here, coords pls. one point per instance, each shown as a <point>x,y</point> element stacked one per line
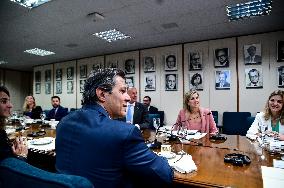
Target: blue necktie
<point>129,114</point>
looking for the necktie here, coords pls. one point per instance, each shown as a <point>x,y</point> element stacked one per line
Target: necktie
<point>55,110</point>
<point>129,114</point>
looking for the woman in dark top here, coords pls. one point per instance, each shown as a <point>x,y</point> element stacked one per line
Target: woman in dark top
<point>31,109</point>
<point>7,149</point>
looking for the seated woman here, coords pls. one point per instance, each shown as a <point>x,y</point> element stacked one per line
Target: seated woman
<point>272,116</point>
<point>30,109</point>
<point>18,148</point>
<point>193,117</point>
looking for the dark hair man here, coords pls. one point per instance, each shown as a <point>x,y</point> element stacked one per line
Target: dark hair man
<point>110,153</point>
<point>147,103</point>
<point>57,112</point>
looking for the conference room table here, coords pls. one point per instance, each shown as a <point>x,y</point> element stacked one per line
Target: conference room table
<point>207,154</point>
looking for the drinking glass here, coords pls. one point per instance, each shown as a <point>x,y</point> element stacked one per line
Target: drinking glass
<point>182,135</point>
<point>263,128</point>
<point>42,117</point>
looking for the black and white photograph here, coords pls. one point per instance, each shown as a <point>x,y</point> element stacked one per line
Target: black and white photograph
<point>171,81</point>
<point>280,71</point>
<point>149,64</point>
<point>58,87</point>
<point>98,65</point>
<point>58,74</point>
<point>70,87</point>
<point>129,80</point>
<point>150,82</point>
<point>48,75</point>
<point>112,64</point>
<point>280,51</point>
<point>196,81</point>
<point>37,76</point>
<point>195,61</point>
<point>254,77</point>
<point>70,73</point>
<point>47,88</point>
<point>82,83</point>
<point>222,79</point>
<point>252,54</point>
<point>221,57</point>
<point>170,62</point>
<point>37,88</point>
<point>129,66</point>
<point>83,71</point>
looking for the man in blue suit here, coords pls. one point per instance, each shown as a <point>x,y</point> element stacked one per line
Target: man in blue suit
<point>110,153</point>
<point>57,112</point>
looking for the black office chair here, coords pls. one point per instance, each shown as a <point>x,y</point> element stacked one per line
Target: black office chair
<point>17,173</point>
<point>151,118</point>
<point>235,123</point>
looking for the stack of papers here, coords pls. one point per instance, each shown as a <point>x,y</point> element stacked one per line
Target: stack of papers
<point>272,177</point>
<point>183,163</point>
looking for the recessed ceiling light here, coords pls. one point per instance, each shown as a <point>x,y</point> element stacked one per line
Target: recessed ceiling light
<point>249,9</point>
<point>3,62</point>
<point>30,3</point>
<point>39,52</point>
<point>111,35</point>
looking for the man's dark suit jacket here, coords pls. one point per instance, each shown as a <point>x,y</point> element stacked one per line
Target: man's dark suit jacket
<point>61,112</point>
<point>153,110</point>
<point>226,84</point>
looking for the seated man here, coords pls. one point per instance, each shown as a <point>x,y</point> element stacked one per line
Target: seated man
<point>110,153</point>
<point>58,112</point>
<point>147,102</point>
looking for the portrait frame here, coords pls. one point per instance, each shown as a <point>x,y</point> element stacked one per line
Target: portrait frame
<point>98,65</point>
<point>280,51</point>
<point>82,83</point>
<point>249,84</point>
<point>58,74</point>
<point>58,87</point>
<point>280,76</point>
<point>226,75</point>
<point>167,65</point>
<point>129,62</point>
<point>47,88</point>
<point>47,75</point>
<point>191,60</point>
<point>217,63</point>
<point>83,71</point>
<point>129,80</point>
<point>152,61</point>
<point>258,56</point>
<point>70,84</point>
<point>150,87</point>
<point>194,76</point>
<point>70,73</point>
<point>37,88</point>
<point>171,88</point>
<point>38,76</point>
<point>111,64</point>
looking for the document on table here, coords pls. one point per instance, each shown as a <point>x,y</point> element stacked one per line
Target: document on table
<point>272,177</point>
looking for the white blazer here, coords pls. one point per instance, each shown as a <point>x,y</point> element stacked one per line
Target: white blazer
<point>259,120</point>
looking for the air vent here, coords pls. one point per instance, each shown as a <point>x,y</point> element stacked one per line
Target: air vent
<point>169,25</point>
<point>71,45</point>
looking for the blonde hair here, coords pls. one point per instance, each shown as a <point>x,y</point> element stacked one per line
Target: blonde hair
<point>267,111</point>
<point>26,106</point>
<point>187,97</point>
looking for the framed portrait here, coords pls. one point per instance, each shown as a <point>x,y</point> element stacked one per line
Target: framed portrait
<point>170,62</point>
<point>280,51</point>
<point>129,66</point>
<point>171,82</point>
<point>70,87</point>
<point>252,54</point>
<point>98,65</point>
<point>37,76</point>
<point>83,71</point>
<point>70,73</point>
<point>194,61</point>
<point>196,81</point>
<point>58,74</point>
<point>150,82</point>
<point>48,75</point>
<point>112,64</point>
<point>222,79</point>
<point>47,88</point>
<point>221,57</point>
<point>82,83</point>
<point>58,87</point>
<point>37,88</point>
<point>280,71</point>
<point>253,78</point>
<point>129,80</point>
<point>149,64</point>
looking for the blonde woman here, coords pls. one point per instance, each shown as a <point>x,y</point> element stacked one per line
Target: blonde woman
<point>272,116</point>
<point>30,109</point>
<point>194,117</point>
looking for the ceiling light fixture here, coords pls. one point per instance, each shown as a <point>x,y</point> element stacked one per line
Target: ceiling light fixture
<point>3,62</point>
<point>95,16</point>
<point>249,9</point>
<point>39,52</point>
<point>111,35</point>
<point>30,3</point>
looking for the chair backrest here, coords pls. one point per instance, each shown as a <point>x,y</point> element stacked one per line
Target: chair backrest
<point>215,116</point>
<point>151,117</point>
<point>17,173</point>
<point>162,115</point>
<point>250,120</point>
<point>235,123</point>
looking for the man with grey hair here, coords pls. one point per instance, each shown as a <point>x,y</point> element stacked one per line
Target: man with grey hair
<point>110,153</point>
